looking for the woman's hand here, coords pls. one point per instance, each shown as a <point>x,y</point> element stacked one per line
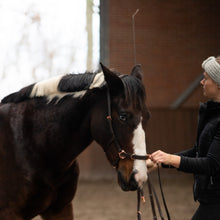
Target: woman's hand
<point>159,157</point>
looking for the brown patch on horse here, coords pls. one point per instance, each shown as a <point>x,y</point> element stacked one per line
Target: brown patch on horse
<point>125,167</point>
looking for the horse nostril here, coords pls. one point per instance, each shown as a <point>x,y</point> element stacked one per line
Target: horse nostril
<point>122,183</point>
<point>129,185</point>
<point>133,183</point>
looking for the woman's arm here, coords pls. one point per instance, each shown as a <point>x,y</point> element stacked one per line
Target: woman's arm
<point>165,158</point>
<point>188,153</point>
<point>208,165</point>
<point>203,165</point>
<point>172,159</point>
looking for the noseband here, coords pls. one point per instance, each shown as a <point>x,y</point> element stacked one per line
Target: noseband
<point>122,154</point>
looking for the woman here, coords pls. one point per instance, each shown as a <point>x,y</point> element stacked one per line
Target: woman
<point>203,160</point>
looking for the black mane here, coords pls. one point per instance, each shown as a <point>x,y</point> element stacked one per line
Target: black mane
<point>68,84</point>
<point>76,82</point>
<point>21,95</point>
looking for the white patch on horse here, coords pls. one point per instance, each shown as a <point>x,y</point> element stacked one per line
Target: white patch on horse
<point>49,88</point>
<point>97,81</point>
<point>140,149</point>
<point>79,94</point>
<point>60,95</point>
<point>46,87</point>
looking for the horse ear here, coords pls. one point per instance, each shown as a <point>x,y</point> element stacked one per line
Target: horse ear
<point>114,82</point>
<point>137,72</point>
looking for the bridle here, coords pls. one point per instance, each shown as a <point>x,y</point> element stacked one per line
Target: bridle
<point>122,154</point>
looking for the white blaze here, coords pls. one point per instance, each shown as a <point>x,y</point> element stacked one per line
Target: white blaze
<point>140,149</point>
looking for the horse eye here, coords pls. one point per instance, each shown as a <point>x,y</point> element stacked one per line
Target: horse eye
<point>123,117</point>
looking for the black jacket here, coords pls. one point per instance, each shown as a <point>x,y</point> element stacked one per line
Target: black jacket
<point>203,160</point>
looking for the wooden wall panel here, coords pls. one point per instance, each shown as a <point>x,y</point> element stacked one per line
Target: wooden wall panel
<point>172,130</point>
<point>172,40</point>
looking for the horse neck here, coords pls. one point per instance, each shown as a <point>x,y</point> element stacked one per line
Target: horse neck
<point>100,130</point>
<point>75,123</point>
<point>72,131</point>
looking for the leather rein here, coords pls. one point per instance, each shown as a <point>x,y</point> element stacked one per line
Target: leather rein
<point>122,154</point>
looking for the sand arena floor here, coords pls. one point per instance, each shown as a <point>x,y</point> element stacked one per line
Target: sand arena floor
<point>104,200</point>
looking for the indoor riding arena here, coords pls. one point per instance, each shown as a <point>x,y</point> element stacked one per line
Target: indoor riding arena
<point>170,39</point>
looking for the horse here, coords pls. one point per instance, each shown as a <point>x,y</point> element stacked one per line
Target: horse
<point>46,125</point>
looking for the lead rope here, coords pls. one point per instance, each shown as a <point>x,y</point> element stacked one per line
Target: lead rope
<point>163,197</point>
<point>157,202</point>
<point>152,194</point>
<point>151,199</point>
<point>140,195</point>
<point>138,204</point>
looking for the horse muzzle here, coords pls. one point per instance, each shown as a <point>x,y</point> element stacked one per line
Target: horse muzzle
<point>131,174</point>
<point>127,184</point>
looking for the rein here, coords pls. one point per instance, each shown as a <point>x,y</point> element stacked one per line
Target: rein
<point>122,154</point>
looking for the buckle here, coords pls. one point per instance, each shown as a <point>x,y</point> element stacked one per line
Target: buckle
<point>122,154</point>
<point>132,157</point>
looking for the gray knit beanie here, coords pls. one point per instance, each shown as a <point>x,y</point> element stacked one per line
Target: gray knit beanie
<point>212,68</point>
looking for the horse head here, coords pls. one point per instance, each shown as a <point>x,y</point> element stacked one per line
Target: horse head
<point>125,118</point>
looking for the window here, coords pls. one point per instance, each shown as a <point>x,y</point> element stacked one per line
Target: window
<point>42,38</point>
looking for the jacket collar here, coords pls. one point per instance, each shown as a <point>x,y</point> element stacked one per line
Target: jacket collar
<point>209,106</point>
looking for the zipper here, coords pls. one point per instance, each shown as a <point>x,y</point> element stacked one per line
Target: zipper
<point>211,180</point>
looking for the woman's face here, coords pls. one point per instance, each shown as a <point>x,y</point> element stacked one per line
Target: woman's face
<point>210,87</point>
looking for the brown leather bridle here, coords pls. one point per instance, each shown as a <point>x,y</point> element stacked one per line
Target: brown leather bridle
<point>122,154</point>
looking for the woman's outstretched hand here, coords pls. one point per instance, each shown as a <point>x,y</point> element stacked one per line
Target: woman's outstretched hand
<point>159,157</point>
